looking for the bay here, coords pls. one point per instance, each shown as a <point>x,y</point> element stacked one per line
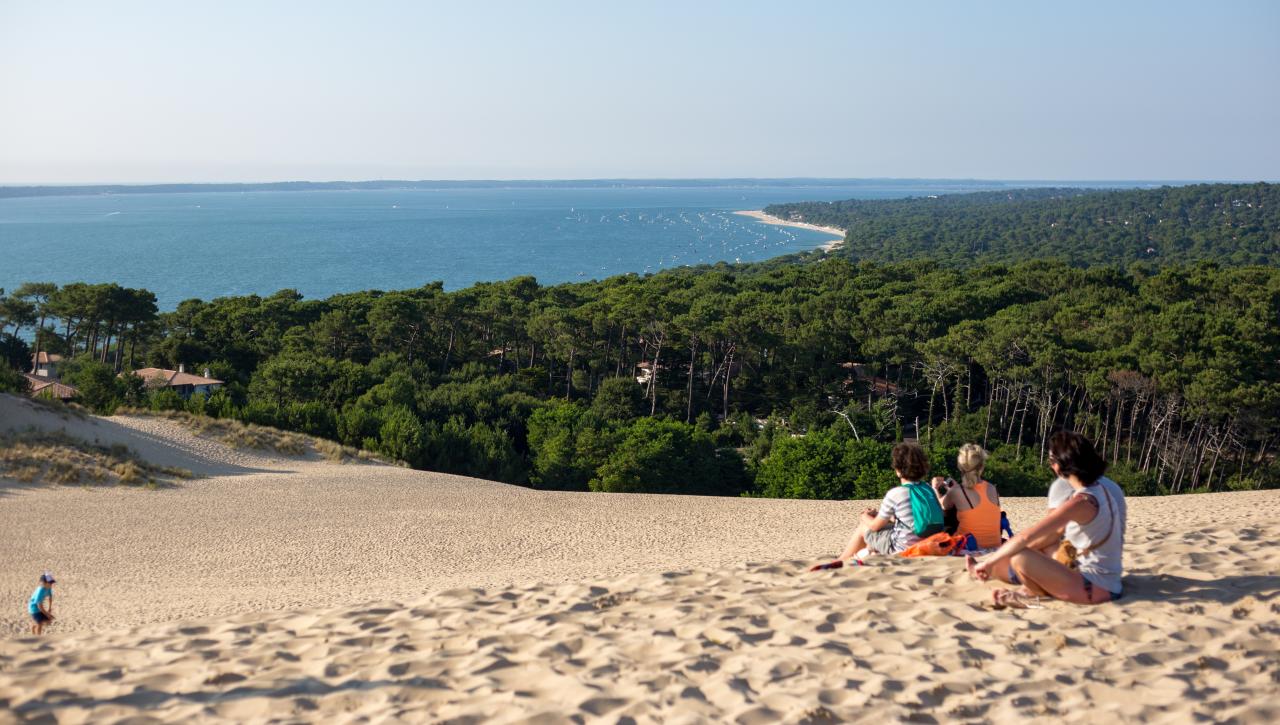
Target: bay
<point>213,244</point>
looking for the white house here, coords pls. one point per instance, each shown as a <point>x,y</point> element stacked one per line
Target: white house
<point>181,381</point>
<point>45,365</point>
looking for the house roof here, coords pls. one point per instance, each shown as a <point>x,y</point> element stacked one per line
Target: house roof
<point>44,358</point>
<point>58,390</point>
<point>173,378</point>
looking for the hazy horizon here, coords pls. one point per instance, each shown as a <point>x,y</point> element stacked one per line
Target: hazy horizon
<point>639,179</point>
<point>144,92</point>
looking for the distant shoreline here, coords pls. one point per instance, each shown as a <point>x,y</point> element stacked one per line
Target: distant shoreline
<point>11,191</point>
<point>8,191</point>
<point>760,216</point>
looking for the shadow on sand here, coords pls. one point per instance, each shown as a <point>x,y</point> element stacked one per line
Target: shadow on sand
<point>144,697</point>
<point>1184,590</point>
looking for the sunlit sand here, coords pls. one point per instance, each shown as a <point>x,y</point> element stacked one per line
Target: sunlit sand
<point>296,588</point>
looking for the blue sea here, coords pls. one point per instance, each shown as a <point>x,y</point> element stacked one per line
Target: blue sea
<point>213,244</point>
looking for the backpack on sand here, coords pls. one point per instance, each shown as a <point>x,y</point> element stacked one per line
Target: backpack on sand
<point>925,509</point>
<point>941,544</point>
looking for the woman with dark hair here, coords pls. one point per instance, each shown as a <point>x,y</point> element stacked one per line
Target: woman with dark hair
<point>1090,515</point>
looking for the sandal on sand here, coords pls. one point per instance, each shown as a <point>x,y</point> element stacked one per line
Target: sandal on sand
<point>1013,599</point>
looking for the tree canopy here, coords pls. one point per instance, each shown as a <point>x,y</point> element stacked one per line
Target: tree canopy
<point>778,379</point>
<point>1229,223</point>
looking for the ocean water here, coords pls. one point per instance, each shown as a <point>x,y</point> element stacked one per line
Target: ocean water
<point>213,244</point>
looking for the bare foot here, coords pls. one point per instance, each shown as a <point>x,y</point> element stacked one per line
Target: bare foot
<point>971,564</point>
<point>1014,599</point>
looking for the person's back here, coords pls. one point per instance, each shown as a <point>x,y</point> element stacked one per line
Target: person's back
<point>897,505</point>
<point>907,513</point>
<point>978,511</point>
<point>42,592</point>
<point>1101,541</point>
<point>975,501</point>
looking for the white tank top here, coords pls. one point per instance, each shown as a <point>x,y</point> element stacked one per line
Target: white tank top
<point>1104,565</point>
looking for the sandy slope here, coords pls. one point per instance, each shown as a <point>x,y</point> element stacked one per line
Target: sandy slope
<point>318,591</point>
<point>156,440</point>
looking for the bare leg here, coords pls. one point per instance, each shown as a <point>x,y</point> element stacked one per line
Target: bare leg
<point>856,544</point>
<point>1000,573</point>
<point>1043,576</point>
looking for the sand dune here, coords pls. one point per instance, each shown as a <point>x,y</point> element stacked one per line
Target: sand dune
<point>156,440</point>
<point>304,590</point>
<point>899,640</point>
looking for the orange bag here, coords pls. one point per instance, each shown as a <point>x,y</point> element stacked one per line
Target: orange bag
<point>940,544</point>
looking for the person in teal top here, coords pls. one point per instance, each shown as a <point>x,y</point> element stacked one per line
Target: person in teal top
<point>893,527</point>
<point>41,605</point>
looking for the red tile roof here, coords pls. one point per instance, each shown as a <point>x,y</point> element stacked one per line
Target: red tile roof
<point>58,390</point>
<point>173,378</point>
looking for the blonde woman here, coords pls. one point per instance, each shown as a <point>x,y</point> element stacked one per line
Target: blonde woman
<point>975,501</point>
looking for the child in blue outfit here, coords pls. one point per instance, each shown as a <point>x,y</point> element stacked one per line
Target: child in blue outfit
<point>41,605</point>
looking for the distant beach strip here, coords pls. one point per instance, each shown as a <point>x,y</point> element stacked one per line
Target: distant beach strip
<point>760,216</point>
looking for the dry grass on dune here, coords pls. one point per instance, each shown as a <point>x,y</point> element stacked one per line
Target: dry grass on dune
<point>55,457</point>
<point>232,432</point>
<point>257,437</point>
<point>63,410</point>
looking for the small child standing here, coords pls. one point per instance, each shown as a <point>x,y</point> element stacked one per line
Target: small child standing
<point>41,605</point>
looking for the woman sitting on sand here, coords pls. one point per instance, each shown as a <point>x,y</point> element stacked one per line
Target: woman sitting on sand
<point>1092,519</point>
<point>893,527</point>
<point>974,502</point>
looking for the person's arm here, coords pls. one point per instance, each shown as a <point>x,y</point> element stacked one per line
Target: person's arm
<point>1078,508</point>
<point>948,499</point>
<point>1047,541</point>
<point>870,522</point>
<point>879,523</point>
<point>882,518</point>
<point>939,486</point>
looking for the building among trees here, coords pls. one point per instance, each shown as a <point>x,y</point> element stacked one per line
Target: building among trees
<point>41,386</point>
<point>45,365</point>
<point>180,381</point>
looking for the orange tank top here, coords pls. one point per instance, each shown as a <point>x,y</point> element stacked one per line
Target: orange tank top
<point>983,520</point>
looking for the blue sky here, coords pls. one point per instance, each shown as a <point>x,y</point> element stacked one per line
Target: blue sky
<point>256,91</point>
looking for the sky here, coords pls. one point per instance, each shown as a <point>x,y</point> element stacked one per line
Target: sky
<point>148,92</point>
